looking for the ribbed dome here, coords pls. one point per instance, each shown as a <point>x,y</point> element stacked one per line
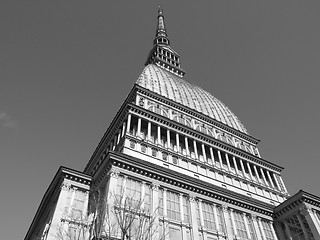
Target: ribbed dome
<point>177,89</point>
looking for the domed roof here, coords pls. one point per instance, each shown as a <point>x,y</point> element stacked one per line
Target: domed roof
<point>175,88</point>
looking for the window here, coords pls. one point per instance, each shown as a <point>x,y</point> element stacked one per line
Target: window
<point>133,192</point>
<point>267,230</point>
<point>161,202</point>
<point>220,219</point>
<point>147,197</point>
<point>240,225</point>
<point>251,229</point>
<point>174,160</point>
<point>208,216</point>
<point>173,206</point>
<point>186,209</point>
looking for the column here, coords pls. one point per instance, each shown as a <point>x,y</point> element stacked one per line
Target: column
<point>123,128</point>
<point>256,172</point>
<point>226,218</point>
<point>312,221</point>
<point>155,207</point>
<point>73,190</point>
<point>264,177</point>
<point>149,131</point>
<point>242,168</point>
<point>159,134</point>
<point>268,174</point>
<point>201,213</point>
<point>233,223</point>
<point>168,139</point>
<point>250,172</point>
<point>220,159</point>
<point>275,180</point>
<point>139,127</point>
<point>119,137</point>
<point>216,217</point>
<point>235,165</point>
<point>212,156</point>
<point>195,149</point>
<point>256,227</point>
<point>195,231</point>
<point>228,163</point>
<point>129,123</point>
<point>204,153</point>
<point>246,225</point>
<point>187,146</point>
<point>178,142</point>
<point>261,228</point>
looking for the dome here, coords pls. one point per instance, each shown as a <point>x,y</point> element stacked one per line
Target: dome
<point>175,88</point>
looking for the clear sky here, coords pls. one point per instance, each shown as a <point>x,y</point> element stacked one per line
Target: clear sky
<point>67,66</point>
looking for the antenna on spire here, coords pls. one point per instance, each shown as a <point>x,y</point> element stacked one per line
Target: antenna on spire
<point>162,54</point>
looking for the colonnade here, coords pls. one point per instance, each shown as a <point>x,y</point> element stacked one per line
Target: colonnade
<point>199,151</point>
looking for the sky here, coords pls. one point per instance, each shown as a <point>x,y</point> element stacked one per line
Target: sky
<point>67,66</point>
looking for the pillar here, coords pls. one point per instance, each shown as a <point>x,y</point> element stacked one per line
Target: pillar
<point>226,217</point>
<point>235,164</point>
<point>123,129</point>
<point>178,142</point>
<point>129,123</point>
<point>204,153</point>
<point>220,159</point>
<point>201,213</point>
<point>212,156</point>
<point>228,162</point>
<point>164,202</point>
<point>187,145</point>
<point>271,182</point>
<point>195,149</point>
<point>168,139</point>
<point>195,231</point>
<point>158,134</point>
<point>181,207</point>
<point>139,127</point>
<point>256,172</point>
<point>264,177</point>
<point>149,131</point>
<point>250,172</point>
<point>288,232</point>
<point>242,168</point>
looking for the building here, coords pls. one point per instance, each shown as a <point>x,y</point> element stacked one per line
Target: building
<point>191,161</point>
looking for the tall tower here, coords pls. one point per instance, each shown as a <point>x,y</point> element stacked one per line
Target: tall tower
<point>190,162</point>
<point>188,156</point>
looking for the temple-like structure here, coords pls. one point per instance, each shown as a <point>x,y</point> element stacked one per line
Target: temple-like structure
<point>189,158</point>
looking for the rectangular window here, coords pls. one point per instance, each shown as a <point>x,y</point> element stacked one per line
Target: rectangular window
<point>240,225</point>
<point>186,209</point>
<point>173,206</point>
<point>267,230</point>
<point>133,193</point>
<point>198,213</point>
<point>208,216</point>
<point>220,220</point>
<point>251,228</point>
<point>147,197</point>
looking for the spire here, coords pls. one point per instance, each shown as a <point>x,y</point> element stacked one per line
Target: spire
<point>162,54</point>
<point>161,34</point>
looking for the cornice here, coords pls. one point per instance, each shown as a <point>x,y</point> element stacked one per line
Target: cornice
<point>168,176</point>
<point>295,201</point>
<point>201,136</point>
